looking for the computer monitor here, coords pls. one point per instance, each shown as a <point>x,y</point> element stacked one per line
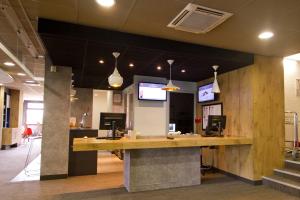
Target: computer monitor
<point>108,120</point>
<point>215,125</point>
<point>172,127</point>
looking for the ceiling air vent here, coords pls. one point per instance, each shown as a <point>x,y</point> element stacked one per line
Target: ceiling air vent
<point>198,19</point>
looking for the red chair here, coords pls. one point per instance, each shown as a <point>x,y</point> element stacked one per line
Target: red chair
<point>27,133</point>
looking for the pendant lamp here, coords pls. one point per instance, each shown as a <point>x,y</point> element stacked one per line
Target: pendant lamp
<point>216,88</point>
<point>170,86</point>
<point>115,79</point>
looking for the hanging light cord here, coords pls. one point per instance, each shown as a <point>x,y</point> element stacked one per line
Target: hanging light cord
<point>116,62</point>
<point>170,71</point>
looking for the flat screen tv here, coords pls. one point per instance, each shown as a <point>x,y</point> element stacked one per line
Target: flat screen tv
<point>205,93</point>
<point>152,92</point>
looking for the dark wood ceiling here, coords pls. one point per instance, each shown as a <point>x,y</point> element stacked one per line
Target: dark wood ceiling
<point>81,47</point>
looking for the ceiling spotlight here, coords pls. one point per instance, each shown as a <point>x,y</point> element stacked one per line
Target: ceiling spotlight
<point>101,61</point>
<point>158,68</point>
<point>183,71</point>
<point>1,84</point>
<point>265,35</point>
<point>21,74</point>
<point>29,81</point>
<point>106,3</point>
<point>131,65</point>
<point>10,64</point>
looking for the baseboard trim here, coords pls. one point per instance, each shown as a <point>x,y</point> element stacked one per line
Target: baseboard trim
<point>252,182</point>
<point>53,177</point>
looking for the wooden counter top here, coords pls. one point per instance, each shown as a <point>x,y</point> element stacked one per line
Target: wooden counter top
<point>90,144</point>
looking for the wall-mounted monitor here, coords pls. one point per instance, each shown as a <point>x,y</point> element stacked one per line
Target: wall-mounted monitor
<point>152,91</point>
<point>205,93</point>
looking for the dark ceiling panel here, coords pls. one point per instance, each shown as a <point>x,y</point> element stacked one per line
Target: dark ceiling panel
<point>81,48</point>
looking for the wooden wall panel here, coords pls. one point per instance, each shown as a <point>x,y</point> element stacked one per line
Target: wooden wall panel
<point>268,115</point>
<point>14,108</point>
<point>1,110</point>
<point>252,100</point>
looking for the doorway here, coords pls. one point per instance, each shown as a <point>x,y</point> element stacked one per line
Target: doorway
<point>181,112</point>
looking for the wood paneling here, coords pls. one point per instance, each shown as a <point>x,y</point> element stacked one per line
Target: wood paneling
<point>11,136</point>
<point>14,108</point>
<point>82,144</point>
<point>1,111</point>
<point>252,100</point>
<point>268,115</point>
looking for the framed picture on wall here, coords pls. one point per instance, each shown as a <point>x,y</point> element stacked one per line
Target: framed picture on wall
<point>210,109</point>
<point>117,98</point>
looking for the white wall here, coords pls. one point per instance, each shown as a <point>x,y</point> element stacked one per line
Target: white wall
<point>151,118</point>
<point>102,102</point>
<point>99,105</point>
<point>292,102</point>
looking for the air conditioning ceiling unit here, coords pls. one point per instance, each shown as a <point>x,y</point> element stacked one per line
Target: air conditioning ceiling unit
<point>198,19</point>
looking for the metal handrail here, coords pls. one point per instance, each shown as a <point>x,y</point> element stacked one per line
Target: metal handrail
<point>296,140</point>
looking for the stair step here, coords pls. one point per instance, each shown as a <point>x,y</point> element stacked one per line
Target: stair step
<point>292,164</point>
<point>283,184</point>
<point>292,174</point>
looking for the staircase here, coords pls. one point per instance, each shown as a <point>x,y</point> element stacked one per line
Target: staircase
<point>286,179</point>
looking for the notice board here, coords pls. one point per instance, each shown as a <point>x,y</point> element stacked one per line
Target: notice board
<point>210,109</point>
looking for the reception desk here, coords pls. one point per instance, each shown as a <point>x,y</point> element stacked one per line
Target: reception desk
<point>158,163</point>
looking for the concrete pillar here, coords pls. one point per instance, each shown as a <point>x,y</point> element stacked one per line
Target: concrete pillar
<point>55,143</point>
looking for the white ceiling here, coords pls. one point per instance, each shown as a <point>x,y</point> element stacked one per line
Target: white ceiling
<point>9,38</point>
<point>150,18</point>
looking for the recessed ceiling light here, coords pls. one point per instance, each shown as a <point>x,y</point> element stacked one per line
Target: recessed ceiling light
<point>158,67</point>
<point>10,64</point>
<point>21,74</point>
<point>106,3</point>
<point>101,61</point>
<point>131,65</point>
<point>1,84</point>
<point>265,35</point>
<point>183,71</point>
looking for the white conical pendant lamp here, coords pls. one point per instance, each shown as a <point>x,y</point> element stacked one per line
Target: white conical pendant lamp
<point>216,88</point>
<point>115,79</point>
<point>170,86</point>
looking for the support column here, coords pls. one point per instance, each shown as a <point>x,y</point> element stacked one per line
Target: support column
<point>55,143</point>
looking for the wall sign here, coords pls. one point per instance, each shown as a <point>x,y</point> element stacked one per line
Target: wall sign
<point>211,109</point>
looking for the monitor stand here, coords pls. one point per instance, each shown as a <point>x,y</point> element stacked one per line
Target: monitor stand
<point>114,137</point>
